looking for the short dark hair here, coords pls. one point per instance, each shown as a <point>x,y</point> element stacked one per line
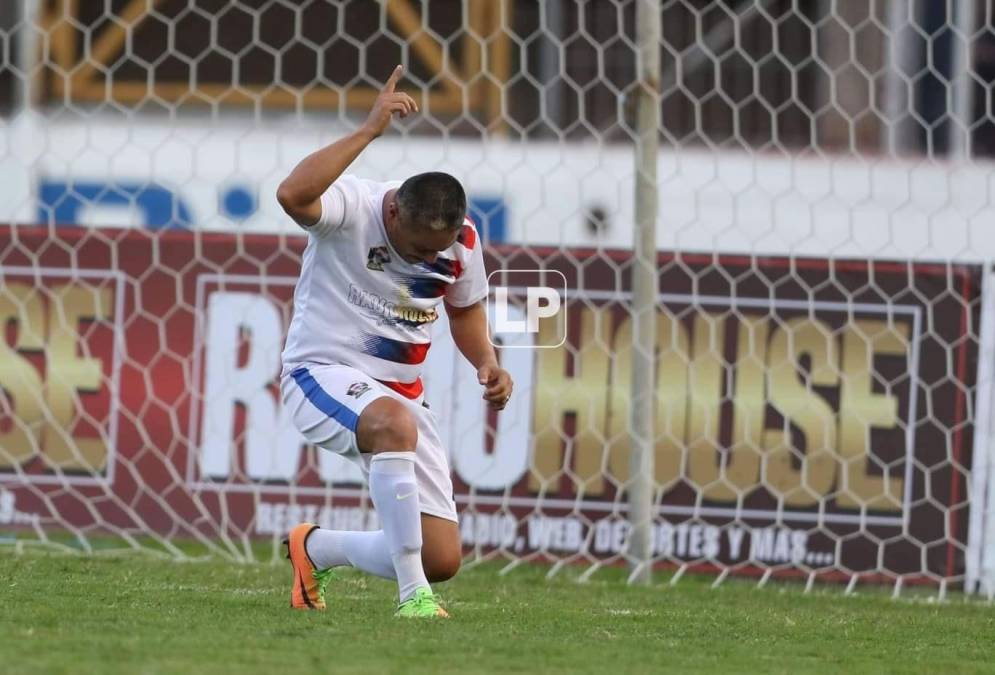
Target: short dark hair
<point>433,200</point>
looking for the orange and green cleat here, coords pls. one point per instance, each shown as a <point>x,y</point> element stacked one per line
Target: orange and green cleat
<point>422,605</point>
<point>308,591</point>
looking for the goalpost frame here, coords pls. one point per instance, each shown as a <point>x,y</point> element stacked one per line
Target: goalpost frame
<point>979,561</point>
<point>642,425</point>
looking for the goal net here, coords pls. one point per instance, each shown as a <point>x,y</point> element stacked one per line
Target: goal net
<point>824,335</point>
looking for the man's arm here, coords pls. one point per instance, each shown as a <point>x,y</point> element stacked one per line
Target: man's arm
<point>300,193</point>
<point>468,326</point>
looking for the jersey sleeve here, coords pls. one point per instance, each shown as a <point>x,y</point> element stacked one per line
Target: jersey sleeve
<point>471,286</point>
<point>338,204</point>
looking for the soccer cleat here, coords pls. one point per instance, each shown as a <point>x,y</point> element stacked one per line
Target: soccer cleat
<point>308,591</point>
<point>422,605</point>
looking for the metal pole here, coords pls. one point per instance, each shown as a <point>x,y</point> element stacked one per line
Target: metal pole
<point>644,292</point>
<point>897,130</point>
<point>26,55</point>
<point>551,64</point>
<point>979,561</point>
<point>965,21</point>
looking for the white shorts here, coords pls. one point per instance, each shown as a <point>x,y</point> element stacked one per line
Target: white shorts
<point>325,403</point>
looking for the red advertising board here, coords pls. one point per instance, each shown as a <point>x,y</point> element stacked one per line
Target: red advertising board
<point>812,414</point>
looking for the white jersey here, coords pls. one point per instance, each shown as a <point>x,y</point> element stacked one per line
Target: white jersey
<point>359,304</point>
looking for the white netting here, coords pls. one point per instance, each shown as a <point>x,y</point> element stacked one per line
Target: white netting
<point>825,220</point>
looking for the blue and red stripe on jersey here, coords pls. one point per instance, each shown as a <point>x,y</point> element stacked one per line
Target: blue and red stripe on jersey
<point>409,353</point>
<point>446,267</point>
<point>432,287</point>
<point>423,287</point>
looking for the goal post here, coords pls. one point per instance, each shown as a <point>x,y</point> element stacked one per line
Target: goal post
<point>771,222</point>
<point>645,289</point>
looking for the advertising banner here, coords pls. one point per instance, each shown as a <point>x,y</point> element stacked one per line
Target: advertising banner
<point>812,413</point>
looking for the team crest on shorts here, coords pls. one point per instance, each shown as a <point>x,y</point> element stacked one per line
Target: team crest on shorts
<point>357,389</point>
<point>377,258</point>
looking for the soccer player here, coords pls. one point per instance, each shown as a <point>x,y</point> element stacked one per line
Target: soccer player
<point>381,259</point>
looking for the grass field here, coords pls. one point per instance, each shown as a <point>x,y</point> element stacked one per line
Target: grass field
<point>68,614</point>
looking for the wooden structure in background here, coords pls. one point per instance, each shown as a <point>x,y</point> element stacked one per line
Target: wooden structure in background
<point>82,61</point>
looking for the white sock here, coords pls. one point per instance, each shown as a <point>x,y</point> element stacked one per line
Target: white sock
<point>395,495</point>
<point>365,551</point>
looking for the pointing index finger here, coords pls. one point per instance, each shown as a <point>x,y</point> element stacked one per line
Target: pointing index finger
<point>392,80</point>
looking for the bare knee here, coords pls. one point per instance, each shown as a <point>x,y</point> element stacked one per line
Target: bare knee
<point>386,426</point>
<point>441,567</point>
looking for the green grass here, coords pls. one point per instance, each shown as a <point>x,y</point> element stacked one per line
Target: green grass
<point>130,614</point>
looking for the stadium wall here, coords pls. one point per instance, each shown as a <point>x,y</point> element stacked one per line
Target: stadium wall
<point>186,173</point>
<point>141,368</point>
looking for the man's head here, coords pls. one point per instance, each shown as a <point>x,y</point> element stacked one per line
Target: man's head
<point>425,215</point>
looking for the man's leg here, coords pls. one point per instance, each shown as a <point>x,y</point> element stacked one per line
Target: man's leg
<point>389,431</point>
<point>441,552</point>
<point>366,551</point>
<point>335,419</point>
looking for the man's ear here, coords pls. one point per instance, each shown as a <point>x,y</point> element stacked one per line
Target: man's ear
<point>393,212</point>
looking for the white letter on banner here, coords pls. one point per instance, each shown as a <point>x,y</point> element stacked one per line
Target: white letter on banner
<point>272,443</point>
<point>510,459</point>
<point>332,467</point>
<point>268,452</point>
<point>438,376</point>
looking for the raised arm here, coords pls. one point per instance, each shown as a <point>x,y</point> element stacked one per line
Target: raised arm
<point>300,193</point>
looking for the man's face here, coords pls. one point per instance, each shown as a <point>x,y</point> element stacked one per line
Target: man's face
<point>418,244</point>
